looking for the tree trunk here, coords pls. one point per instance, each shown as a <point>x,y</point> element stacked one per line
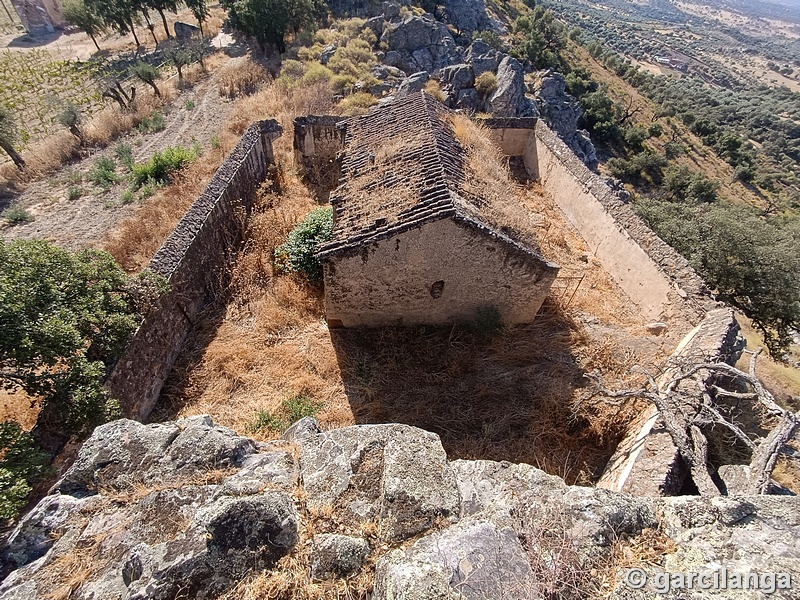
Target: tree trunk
<point>18,161</point>
<point>180,74</point>
<point>150,25</point>
<point>133,33</point>
<point>164,21</point>
<point>95,42</point>
<point>200,24</point>
<point>153,85</point>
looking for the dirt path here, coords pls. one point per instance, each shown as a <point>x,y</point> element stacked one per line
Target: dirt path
<point>196,115</point>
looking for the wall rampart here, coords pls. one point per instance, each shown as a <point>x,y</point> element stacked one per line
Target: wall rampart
<point>195,261</point>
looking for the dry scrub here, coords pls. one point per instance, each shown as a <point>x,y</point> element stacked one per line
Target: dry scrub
<point>513,397</point>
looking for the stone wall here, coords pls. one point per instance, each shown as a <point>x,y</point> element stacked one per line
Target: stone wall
<point>436,272</point>
<point>317,143</point>
<point>194,260</point>
<point>646,462</point>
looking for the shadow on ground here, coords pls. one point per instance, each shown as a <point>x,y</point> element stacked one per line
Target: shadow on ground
<point>504,397</point>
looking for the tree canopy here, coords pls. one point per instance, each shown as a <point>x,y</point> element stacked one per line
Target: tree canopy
<point>268,21</point>
<point>64,317</point>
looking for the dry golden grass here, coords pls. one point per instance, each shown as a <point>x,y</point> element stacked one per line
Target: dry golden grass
<point>488,186</point>
<point>18,407</point>
<point>242,78</point>
<point>513,397</point>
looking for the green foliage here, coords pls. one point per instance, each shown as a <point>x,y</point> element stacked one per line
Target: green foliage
<point>545,37</point>
<point>297,254</point>
<point>162,165</point>
<point>179,55</point>
<point>655,130</point>
<point>486,83</point>
<point>16,215</point>
<point>65,316</point>
<point>146,73</point>
<point>22,465</point>
<point>152,124</point>
<point>268,21</point>
<point>124,153</point>
<point>82,16</point>
<point>492,39</point>
<point>292,410</point>
<point>750,262</point>
<point>104,173</point>
<point>74,192</point>
<point>635,136</point>
<point>600,116</point>
<point>297,407</point>
<point>70,116</point>
<point>641,165</point>
<point>264,420</point>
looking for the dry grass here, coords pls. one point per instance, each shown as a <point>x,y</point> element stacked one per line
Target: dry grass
<point>18,407</point>
<point>242,78</point>
<point>488,186</point>
<point>513,397</point>
<point>134,242</point>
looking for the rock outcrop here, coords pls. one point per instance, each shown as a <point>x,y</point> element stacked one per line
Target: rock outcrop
<point>509,99</point>
<point>420,44</point>
<point>191,509</point>
<point>561,112</point>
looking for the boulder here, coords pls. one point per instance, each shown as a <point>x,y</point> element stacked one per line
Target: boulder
<point>481,57</point>
<point>474,559</point>
<point>375,24</point>
<point>394,473</point>
<point>509,98</point>
<point>561,112</point>
<point>413,84</point>
<point>276,469</point>
<point>335,555</point>
<point>467,15</point>
<point>457,77</point>
<point>307,425</point>
<point>185,31</point>
<point>469,100</point>
<point>125,453</point>
<point>326,53</point>
<point>422,43</point>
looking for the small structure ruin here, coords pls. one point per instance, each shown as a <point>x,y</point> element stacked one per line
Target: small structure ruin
<point>412,244</point>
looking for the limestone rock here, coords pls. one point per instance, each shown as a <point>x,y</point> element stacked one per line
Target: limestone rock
<point>423,44</point>
<point>561,112</point>
<point>276,469</point>
<point>471,560</point>
<point>395,473</point>
<point>469,100</point>
<point>412,84</point>
<point>509,99</point>
<point>303,428</point>
<point>327,53</point>
<point>124,453</point>
<point>375,24</point>
<point>467,15</point>
<point>335,555</point>
<point>185,31</point>
<point>457,77</point>
<point>482,57</point>
<point>36,532</point>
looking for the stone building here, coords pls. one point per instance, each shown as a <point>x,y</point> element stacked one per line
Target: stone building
<point>39,17</point>
<point>412,241</point>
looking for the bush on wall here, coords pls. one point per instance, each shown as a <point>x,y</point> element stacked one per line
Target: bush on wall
<point>297,254</point>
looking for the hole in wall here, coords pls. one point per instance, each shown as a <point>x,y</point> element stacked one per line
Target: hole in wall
<point>437,289</point>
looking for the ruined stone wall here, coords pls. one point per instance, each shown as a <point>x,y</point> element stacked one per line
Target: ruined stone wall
<point>436,272</point>
<point>657,278</point>
<point>317,143</point>
<point>646,462</point>
<point>194,260</point>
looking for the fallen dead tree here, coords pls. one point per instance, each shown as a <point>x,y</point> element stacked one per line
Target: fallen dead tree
<point>675,395</point>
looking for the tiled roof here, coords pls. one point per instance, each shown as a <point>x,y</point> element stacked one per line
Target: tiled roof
<point>402,166</point>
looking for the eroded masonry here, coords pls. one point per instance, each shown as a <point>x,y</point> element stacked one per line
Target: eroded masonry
<point>418,239</point>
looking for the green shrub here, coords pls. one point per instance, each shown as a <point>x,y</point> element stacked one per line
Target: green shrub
<point>297,254</point>
<point>264,420</point>
<point>74,192</point>
<point>297,407</point>
<point>124,153</point>
<point>21,466</point>
<point>153,123</point>
<point>162,165</point>
<point>357,103</point>
<point>104,173</point>
<point>16,215</point>
<point>486,83</point>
